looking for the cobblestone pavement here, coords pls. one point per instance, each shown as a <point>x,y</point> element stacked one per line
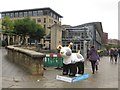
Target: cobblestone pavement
<point>13,76</point>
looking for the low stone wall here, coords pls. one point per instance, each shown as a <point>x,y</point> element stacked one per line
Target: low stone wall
<point>32,61</point>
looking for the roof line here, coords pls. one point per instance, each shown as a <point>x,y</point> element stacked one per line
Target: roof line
<point>32,10</point>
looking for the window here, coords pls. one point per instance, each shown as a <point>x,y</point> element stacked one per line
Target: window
<point>38,20</point>
<point>20,14</point>
<point>12,15</point>
<point>51,14</point>
<point>44,27</point>
<point>44,20</point>
<point>3,15</point>
<point>25,14</point>
<point>34,13</point>
<point>30,13</point>
<point>82,36</point>
<point>40,12</point>
<point>16,14</point>
<point>45,12</point>
<point>7,14</point>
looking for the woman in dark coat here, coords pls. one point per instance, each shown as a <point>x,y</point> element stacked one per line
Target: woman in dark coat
<point>111,54</point>
<point>115,54</point>
<point>93,57</point>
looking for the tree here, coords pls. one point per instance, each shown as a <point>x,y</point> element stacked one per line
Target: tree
<point>37,33</point>
<point>7,27</point>
<point>7,24</point>
<point>26,26</point>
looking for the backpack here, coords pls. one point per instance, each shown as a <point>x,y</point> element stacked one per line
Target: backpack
<point>115,52</point>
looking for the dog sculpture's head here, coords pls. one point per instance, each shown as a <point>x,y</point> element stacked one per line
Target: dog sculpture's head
<point>65,51</point>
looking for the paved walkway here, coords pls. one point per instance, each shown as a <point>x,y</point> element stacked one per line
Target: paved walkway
<point>15,77</point>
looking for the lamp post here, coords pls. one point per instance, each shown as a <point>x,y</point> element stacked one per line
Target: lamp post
<point>84,44</point>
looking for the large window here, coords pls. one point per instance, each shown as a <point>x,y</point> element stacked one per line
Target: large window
<point>7,14</point>
<point>45,12</point>
<point>20,14</point>
<point>34,13</point>
<point>25,14</point>
<point>16,14</point>
<point>54,16</point>
<point>12,15</point>
<point>40,12</point>
<point>51,14</point>
<point>3,15</point>
<point>30,13</point>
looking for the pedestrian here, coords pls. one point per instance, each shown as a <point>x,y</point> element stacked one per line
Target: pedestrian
<point>111,53</point>
<point>94,57</point>
<point>115,54</point>
<point>119,52</point>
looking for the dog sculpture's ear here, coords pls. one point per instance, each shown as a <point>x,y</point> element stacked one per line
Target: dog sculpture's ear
<point>79,51</point>
<point>70,45</point>
<point>59,47</point>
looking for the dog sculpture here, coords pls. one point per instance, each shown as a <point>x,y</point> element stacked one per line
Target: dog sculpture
<point>73,63</point>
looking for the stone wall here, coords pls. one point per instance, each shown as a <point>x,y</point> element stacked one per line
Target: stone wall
<point>32,61</point>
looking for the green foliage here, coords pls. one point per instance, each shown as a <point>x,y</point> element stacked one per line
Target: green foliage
<point>7,25</point>
<point>38,33</point>
<point>23,26</point>
<point>108,46</point>
<point>28,27</point>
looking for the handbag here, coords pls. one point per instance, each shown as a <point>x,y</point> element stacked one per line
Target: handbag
<point>97,62</point>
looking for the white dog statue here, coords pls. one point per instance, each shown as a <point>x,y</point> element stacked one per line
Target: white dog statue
<point>73,63</point>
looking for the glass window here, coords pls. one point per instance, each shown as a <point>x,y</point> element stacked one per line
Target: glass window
<point>25,14</point>
<point>20,14</point>
<point>38,20</point>
<point>44,27</point>
<point>7,14</point>
<point>51,14</point>
<point>12,15</point>
<point>44,20</point>
<point>34,13</point>
<point>82,36</point>
<point>45,12</point>
<point>30,13</point>
<point>54,16</point>
<point>16,14</point>
<point>3,15</point>
<point>40,12</point>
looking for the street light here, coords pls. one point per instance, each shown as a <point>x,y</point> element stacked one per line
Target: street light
<point>84,43</point>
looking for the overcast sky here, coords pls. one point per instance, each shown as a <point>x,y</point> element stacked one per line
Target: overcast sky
<point>74,12</point>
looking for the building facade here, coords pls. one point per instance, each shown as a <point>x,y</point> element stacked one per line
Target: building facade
<point>113,41</point>
<point>44,16</point>
<point>83,36</point>
<point>105,38</point>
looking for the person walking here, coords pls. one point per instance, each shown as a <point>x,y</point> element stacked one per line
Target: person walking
<point>93,57</point>
<point>115,54</point>
<point>111,53</point>
<point>119,52</point>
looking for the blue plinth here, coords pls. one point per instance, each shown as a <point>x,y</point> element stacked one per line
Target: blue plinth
<point>81,77</point>
<point>78,77</point>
